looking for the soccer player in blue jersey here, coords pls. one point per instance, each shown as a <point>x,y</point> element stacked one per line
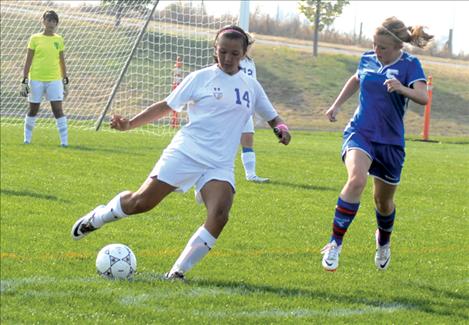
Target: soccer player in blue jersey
<point>373,140</point>
<point>222,99</point>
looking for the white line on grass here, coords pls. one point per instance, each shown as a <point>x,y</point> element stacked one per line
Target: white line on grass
<point>302,313</point>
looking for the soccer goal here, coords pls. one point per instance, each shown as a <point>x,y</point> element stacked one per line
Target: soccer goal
<point>120,57</point>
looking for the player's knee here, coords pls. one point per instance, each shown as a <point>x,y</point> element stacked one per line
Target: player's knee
<point>384,206</point>
<point>356,184</point>
<point>220,215</point>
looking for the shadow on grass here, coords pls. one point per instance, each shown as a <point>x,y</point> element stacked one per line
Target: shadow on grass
<point>430,301</point>
<point>462,141</point>
<point>111,150</point>
<point>34,195</point>
<point>425,305</point>
<point>302,186</point>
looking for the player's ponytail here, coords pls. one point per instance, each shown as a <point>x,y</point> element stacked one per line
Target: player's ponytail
<point>418,37</point>
<point>414,35</point>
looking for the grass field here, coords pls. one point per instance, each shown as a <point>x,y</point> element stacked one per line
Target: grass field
<point>265,267</point>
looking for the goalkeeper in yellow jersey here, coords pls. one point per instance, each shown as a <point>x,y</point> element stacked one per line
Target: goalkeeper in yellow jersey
<point>45,73</point>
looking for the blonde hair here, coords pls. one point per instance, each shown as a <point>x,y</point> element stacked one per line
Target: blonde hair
<point>415,35</point>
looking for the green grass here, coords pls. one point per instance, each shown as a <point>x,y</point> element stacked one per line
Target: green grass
<point>265,267</point>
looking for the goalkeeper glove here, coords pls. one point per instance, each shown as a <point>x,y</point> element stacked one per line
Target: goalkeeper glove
<point>65,83</point>
<point>24,91</point>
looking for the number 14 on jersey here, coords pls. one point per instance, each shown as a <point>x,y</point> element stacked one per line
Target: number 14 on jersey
<point>245,97</point>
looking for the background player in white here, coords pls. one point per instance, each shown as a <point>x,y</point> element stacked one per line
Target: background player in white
<point>248,156</point>
<point>202,153</point>
<point>387,78</point>
<point>45,72</point>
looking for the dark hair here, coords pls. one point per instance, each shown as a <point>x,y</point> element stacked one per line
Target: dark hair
<point>395,28</point>
<point>51,14</point>
<point>233,32</point>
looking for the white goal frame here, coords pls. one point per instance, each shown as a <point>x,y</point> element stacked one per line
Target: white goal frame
<point>115,66</point>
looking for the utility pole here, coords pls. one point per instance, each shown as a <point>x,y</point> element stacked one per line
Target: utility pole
<point>360,34</point>
<point>450,42</point>
<point>316,29</point>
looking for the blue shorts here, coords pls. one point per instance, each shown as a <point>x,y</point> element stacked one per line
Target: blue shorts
<point>387,159</point>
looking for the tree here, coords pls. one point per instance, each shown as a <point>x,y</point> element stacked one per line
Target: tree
<point>120,5</point>
<point>321,13</point>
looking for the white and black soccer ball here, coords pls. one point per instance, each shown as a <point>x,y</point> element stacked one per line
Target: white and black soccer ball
<point>116,261</point>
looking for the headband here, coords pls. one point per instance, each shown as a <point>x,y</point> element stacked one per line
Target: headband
<point>231,30</point>
<point>392,34</point>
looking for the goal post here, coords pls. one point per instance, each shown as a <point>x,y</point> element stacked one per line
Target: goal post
<point>99,39</point>
<point>126,65</point>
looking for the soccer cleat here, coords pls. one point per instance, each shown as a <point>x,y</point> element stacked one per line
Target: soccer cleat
<point>83,226</point>
<point>26,142</point>
<point>175,276</point>
<point>383,254</point>
<point>198,197</point>
<point>330,260</point>
<point>257,179</point>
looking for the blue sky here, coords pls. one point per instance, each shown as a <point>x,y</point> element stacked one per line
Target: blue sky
<point>438,16</point>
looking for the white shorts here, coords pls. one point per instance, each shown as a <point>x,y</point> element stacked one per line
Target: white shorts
<point>249,127</point>
<point>53,90</point>
<point>182,172</point>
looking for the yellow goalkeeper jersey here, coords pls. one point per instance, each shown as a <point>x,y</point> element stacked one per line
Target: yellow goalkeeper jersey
<point>46,60</point>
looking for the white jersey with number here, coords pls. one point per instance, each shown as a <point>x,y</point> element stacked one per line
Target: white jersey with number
<point>219,106</point>
<point>248,67</point>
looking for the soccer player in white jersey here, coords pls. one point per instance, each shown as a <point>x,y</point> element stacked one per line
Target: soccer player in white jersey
<point>221,99</point>
<point>248,156</point>
<point>45,73</point>
<point>373,141</point>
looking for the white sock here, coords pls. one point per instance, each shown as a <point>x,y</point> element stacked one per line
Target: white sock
<point>63,130</point>
<point>249,163</point>
<point>111,212</point>
<point>198,246</point>
<point>29,122</point>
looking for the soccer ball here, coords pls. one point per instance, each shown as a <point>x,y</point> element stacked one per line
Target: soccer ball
<point>116,261</point>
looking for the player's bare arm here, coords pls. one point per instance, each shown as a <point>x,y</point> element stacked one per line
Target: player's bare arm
<point>27,65</point>
<point>350,88</point>
<point>63,67</point>
<point>150,114</point>
<point>278,124</point>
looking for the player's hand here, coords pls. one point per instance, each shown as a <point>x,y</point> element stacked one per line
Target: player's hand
<point>332,112</point>
<point>281,131</point>
<point>120,123</point>
<point>393,85</point>
<point>65,82</point>
<point>25,90</point>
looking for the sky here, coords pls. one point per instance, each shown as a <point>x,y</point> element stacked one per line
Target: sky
<point>438,16</point>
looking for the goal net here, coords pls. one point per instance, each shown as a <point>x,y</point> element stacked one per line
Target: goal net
<point>99,40</point>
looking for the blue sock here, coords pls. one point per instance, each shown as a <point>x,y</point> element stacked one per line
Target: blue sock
<point>385,226</point>
<point>246,149</point>
<point>343,217</point>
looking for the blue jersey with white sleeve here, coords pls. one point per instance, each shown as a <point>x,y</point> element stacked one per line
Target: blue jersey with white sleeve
<point>380,114</point>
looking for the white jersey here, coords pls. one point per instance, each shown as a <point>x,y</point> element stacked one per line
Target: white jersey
<point>248,66</point>
<point>219,106</point>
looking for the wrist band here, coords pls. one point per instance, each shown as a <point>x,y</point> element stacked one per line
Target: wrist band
<point>282,126</point>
